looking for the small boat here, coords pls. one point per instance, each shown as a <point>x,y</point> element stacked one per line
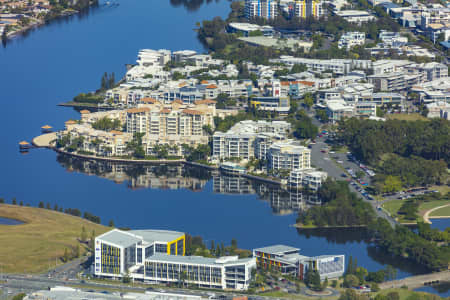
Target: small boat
<point>24,146</point>
<point>46,129</point>
<point>232,168</point>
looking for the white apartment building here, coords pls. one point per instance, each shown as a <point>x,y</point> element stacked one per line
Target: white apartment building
<point>248,139</point>
<point>351,39</point>
<point>355,16</point>
<point>439,109</point>
<point>267,9</point>
<point>394,82</point>
<point>392,39</point>
<point>337,66</point>
<point>149,61</point>
<point>288,155</point>
<point>310,178</point>
<point>338,110</point>
<point>98,142</point>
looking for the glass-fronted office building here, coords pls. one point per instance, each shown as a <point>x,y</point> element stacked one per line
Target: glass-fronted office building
<point>157,256</point>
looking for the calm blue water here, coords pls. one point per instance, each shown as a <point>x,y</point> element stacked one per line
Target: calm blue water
<point>58,61</point>
<point>6,221</point>
<point>440,224</point>
<point>442,289</point>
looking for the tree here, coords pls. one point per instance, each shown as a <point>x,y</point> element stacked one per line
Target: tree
<point>83,235</point>
<point>234,244</point>
<point>218,251</point>
<point>324,283</point>
<point>127,277</point>
<point>299,68</point>
<point>41,204</point>
<point>374,287</point>
<point>19,296</point>
<point>393,296</point>
<point>66,255</point>
<point>55,208</point>
<point>312,279</point>
<point>391,272</point>
<point>361,273</point>
<point>76,251</point>
<point>2,200</point>
<point>111,223</point>
<point>308,100</point>
<point>14,201</point>
<point>212,249</point>
<point>351,280</point>
<point>21,203</point>
<point>350,268</point>
<point>48,206</point>
<point>377,276</point>
<point>392,184</point>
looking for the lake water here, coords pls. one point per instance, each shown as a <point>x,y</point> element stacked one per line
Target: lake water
<point>6,221</point>
<point>56,62</point>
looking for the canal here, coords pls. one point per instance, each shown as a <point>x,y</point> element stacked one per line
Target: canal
<point>54,63</point>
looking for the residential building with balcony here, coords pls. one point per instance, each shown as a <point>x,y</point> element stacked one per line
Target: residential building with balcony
<point>267,9</point>
<point>309,178</point>
<point>248,139</point>
<point>288,155</point>
<point>351,39</point>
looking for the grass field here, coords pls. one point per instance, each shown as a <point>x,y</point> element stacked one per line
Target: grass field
<point>393,206</point>
<point>432,204</point>
<point>407,117</point>
<point>443,189</point>
<point>32,246</point>
<point>405,294</point>
<point>445,211</point>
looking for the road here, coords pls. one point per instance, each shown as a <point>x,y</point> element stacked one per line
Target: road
<point>26,284</point>
<point>323,161</point>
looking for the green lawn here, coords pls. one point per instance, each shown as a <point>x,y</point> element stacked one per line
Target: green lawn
<point>393,206</point>
<point>445,211</point>
<point>405,294</point>
<point>432,204</point>
<point>38,244</point>
<point>443,189</point>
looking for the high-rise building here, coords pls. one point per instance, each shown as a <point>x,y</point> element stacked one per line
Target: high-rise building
<point>308,8</point>
<point>267,9</point>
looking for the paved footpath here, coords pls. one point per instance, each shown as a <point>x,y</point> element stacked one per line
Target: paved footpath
<point>413,282</point>
<point>427,217</point>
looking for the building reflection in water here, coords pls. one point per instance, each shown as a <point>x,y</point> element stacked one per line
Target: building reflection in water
<point>179,176</point>
<point>136,176</point>
<point>281,201</point>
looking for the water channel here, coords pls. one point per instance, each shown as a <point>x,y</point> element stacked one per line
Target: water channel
<point>54,63</point>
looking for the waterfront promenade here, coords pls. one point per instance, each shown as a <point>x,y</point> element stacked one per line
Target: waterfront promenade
<point>417,281</point>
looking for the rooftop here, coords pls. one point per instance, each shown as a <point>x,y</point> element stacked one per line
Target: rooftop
<point>277,249</point>
<point>198,259</point>
<point>119,238</point>
<point>150,235</point>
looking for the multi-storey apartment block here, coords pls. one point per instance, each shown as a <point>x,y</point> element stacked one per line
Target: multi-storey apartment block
<point>351,39</point>
<point>248,139</point>
<point>288,155</point>
<point>308,8</point>
<point>267,9</point>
